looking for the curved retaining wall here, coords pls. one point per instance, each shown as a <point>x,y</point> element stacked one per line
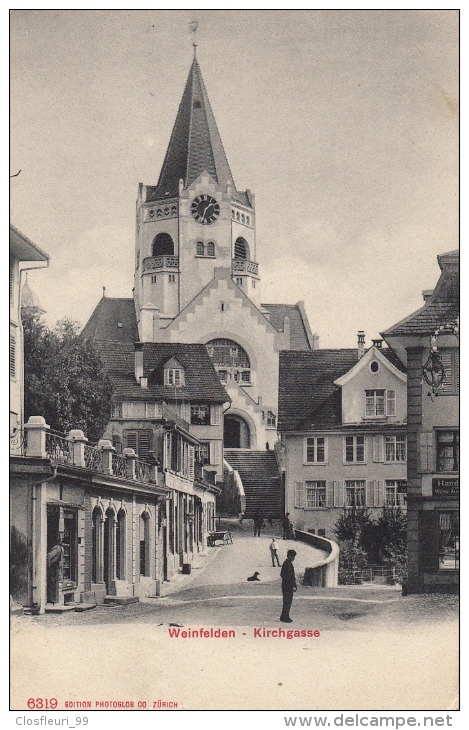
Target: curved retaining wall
<point>324,575</point>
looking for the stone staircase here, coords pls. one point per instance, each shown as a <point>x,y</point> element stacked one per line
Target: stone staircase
<point>261,480</point>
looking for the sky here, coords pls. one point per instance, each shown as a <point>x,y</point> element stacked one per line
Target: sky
<point>344,123</point>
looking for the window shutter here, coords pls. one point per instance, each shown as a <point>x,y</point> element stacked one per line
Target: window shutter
<point>12,355</point>
<point>215,452</point>
<point>456,372</point>
<point>299,494</point>
<point>380,496</point>
<point>370,493</point>
<point>131,440</point>
<point>426,452</point>
<point>447,362</point>
<point>167,451</point>
<point>330,494</point>
<point>191,462</point>
<point>428,542</point>
<point>144,444</point>
<point>215,415</point>
<point>339,494</point>
<point>378,447</point>
<point>390,402</point>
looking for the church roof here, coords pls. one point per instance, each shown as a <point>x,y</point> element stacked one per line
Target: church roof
<point>202,383</point>
<point>29,298</point>
<point>308,398</point>
<point>300,333</point>
<point>113,319</point>
<point>195,145</point>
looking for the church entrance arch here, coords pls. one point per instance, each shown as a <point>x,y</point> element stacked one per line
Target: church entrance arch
<point>236,433</point>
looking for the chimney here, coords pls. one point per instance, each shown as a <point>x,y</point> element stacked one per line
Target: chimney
<point>138,361</point>
<point>378,344</point>
<point>360,343</point>
<point>286,330</point>
<point>149,316</point>
<point>315,341</point>
<point>427,294</point>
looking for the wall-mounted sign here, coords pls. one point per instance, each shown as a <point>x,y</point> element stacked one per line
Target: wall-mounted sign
<point>445,487</point>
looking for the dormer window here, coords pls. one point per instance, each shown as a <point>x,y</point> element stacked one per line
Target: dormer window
<point>380,403</point>
<point>174,376</point>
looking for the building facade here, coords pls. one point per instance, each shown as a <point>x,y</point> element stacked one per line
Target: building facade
<point>342,421</point>
<point>24,254</point>
<point>428,342</point>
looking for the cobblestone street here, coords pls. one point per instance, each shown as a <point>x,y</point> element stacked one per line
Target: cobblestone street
<point>376,649</point>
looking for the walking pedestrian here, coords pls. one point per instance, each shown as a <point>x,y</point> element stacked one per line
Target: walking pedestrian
<point>286,526</point>
<point>288,585</point>
<point>257,523</point>
<point>273,547</point>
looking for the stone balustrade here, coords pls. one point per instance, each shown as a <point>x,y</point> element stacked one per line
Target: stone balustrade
<point>73,449</point>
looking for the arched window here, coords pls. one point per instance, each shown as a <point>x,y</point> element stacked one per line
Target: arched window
<point>210,249</point>
<point>227,353</point>
<point>199,248</point>
<point>163,245</point>
<point>120,545</point>
<point>97,546</point>
<point>145,544</point>
<point>241,249</point>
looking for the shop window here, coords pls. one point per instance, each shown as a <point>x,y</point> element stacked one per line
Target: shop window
<point>70,545</point>
<point>448,540</point>
<point>447,451</point>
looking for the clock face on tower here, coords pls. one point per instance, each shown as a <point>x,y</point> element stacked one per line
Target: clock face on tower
<point>205,209</point>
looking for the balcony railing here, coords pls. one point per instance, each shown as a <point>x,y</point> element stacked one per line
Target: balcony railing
<point>36,440</point>
<point>153,263</point>
<point>58,448</point>
<point>119,465</point>
<point>242,266</point>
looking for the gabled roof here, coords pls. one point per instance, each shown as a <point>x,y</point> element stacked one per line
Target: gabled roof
<point>195,144</point>
<point>440,308</point>
<point>378,354</point>
<point>308,398</point>
<point>113,319</point>
<point>202,383</point>
<point>300,331</point>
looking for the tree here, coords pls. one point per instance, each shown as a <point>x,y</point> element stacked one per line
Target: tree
<point>64,378</point>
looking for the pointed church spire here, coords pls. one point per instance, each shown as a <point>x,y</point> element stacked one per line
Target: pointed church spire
<point>195,143</point>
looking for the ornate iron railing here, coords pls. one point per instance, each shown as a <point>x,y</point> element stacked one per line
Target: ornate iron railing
<point>18,441</point>
<point>142,471</point>
<point>119,465</point>
<point>93,458</point>
<point>58,448</point>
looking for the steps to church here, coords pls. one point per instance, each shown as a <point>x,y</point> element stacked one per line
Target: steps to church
<point>261,480</point>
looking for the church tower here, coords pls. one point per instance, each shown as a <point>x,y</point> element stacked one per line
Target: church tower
<point>193,222</point>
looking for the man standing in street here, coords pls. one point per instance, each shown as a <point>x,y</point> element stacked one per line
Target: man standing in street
<point>257,523</point>
<point>273,547</point>
<point>288,585</point>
